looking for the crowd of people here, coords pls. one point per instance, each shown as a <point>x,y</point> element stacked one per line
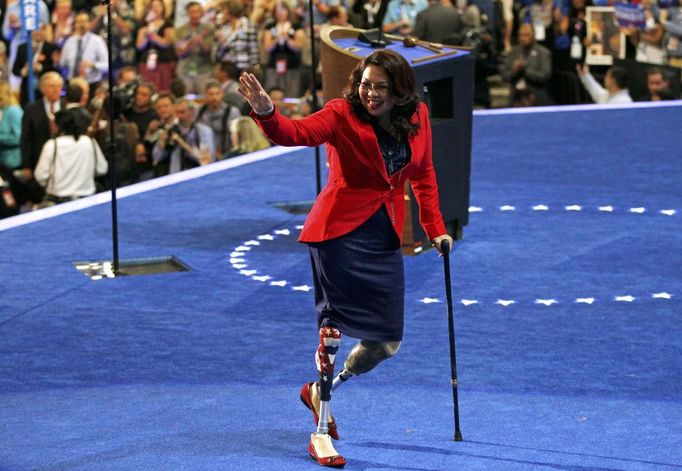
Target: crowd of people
<point>177,66</point>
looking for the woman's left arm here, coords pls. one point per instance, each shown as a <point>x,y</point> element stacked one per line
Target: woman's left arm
<point>425,188</point>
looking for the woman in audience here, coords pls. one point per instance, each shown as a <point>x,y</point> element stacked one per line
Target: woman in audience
<point>155,46</point>
<point>10,128</point>
<point>246,137</point>
<point>283,41</point>
<point>69,163</point>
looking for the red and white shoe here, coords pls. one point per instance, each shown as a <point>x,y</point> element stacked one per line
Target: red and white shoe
<point>322,451</point>
<point>307,400</point>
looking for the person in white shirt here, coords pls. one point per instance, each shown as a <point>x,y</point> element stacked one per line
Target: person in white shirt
<point>84,53</point>
<point>69,163</point>
<point>615,85</point>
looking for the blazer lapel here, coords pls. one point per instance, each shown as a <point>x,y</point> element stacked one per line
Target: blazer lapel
<point>368,139</point>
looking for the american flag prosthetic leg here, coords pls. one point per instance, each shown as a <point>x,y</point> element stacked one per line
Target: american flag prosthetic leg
<point>330,339</point>
<point>320,447</point>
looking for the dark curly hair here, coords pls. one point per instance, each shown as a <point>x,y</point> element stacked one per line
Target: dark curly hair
<point>402,87</point>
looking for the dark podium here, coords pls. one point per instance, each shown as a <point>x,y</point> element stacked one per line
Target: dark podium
<point>445,78</point>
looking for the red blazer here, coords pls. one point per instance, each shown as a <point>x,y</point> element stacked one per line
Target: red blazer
<point>358,184</point>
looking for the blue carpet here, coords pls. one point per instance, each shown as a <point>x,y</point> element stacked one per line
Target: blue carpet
<point>567,288</point>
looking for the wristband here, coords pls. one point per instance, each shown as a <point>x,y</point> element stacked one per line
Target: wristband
<point>267,112</point>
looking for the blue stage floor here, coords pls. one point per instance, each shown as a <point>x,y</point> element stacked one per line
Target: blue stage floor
<point>568,289</point>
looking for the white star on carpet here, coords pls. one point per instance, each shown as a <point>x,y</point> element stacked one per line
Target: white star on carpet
<point>236,254</point>
<point>507,207</point>
<point>546,302</point>
<point>505,302</point>
<point>251,242</point>
<point>239,266</point>
<point>627,299</point>
<point>638,210</point>
<point>584,300</point>
<point>248,272</point>
<point>607,209</point>
<point>302,288</point>
<point>278,283</point>
<point>663,295</point>
<point>573,207</point>
<point>475,209</point>
<point>430,300</point>
<point>299,227</point>
<point>540,207</point>
<point>468,302</point>
<point>234,260</point>
<point>242,248</point>
<point>261,278</point>
<point>266,237</point>
<point>283,232</point>
<point>668,212</point>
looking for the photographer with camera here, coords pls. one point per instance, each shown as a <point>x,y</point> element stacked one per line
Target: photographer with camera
<point>184,145</point>
<point>139,111</point>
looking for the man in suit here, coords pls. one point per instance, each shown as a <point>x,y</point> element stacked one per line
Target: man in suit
<point>45,59</point>
<point>38,125</point>
<point>438,22</point>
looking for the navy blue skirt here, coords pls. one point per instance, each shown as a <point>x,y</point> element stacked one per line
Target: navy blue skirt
<point>360,281</point>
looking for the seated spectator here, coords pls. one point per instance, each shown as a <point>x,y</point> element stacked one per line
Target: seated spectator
<point>528,68</point>
<point>401,16</point>
<point>45,59</point>
<point>84,53</point>
<point>614,89</point>
<point>187,144</point>
<point>217,115</point>
<point>69,163</point>
<point>658,86</point>
<point>10,128</point>
<point>155,47</point>
<point>246,137</point>
<point>193,42</point>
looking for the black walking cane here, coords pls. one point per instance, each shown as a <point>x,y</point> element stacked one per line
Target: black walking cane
<point>445,250</point>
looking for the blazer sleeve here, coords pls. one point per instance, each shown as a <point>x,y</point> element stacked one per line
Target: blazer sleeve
<point>313,130</point>
<point>425,187</point>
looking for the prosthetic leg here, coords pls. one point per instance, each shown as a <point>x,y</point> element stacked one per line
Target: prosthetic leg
<point>364,357</point>
<point>320,447</point>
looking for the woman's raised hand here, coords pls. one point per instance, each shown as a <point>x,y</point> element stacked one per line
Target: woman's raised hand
<point>254,94</point>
